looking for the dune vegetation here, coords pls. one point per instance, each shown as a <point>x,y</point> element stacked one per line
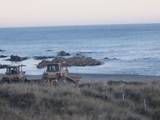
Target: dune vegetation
<point>110,100</point>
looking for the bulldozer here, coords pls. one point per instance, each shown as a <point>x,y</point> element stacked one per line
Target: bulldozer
<point>58,73</point>
<point>14,74</point>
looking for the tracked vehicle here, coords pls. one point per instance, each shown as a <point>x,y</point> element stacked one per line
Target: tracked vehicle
<point>14,74</point>
<point>57,74</point>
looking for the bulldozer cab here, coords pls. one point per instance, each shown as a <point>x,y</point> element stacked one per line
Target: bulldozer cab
<point>54,68</point>
<point>10,70</point>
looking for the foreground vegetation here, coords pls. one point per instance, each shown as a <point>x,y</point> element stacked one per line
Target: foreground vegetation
<point>112,100</point>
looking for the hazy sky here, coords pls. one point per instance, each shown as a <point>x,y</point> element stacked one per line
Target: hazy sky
<point>72,12</point>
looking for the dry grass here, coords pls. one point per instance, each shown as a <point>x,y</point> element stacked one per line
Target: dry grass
<point>112,100</point>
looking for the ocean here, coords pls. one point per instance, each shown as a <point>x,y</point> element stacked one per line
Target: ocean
<point>131,48</point>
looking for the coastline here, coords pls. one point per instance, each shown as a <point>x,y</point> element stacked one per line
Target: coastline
<point>124,49</point>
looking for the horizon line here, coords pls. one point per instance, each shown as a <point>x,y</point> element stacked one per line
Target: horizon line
<point>76,25</point>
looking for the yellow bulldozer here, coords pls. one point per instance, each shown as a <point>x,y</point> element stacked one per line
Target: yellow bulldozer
<point>14,74</point>
<point>58,73</point>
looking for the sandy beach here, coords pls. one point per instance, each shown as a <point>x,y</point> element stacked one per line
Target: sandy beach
<point>104,77</point>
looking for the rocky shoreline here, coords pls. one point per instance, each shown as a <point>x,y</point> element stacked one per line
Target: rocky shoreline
<point>3,56</point>
<point>16,58</point>
<point>61,57</point>
<point>71,61</point>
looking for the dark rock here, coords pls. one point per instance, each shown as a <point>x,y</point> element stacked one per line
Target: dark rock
<point>48,50</point>
<point>106,58</point>
<point>3,56</point>
<point>16,58</point>
<point>3,66</point>
<point>63,53</point>
<point>42,57</point>
<point>72,61</point>
<point>79,54</point>
<point>2,50</point>
<point>115,59</point>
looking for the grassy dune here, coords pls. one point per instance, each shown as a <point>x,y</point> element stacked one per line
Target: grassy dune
<point>92,101</point>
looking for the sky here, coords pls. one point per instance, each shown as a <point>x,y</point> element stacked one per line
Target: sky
<point>77,12</point>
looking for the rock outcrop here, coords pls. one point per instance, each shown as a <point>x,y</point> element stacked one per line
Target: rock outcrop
<point>72,61</point>
<point>16,58</point>
<point>2,50</point>
<point>63,53</point>
<point>3,56</point>
<point>49,50</point>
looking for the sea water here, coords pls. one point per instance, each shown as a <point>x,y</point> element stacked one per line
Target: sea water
<point>130,49</point>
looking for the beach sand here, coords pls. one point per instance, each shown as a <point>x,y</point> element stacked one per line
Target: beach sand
<point>103,77</point>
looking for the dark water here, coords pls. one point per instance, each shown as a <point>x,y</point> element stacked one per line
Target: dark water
<point>135,47</point>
